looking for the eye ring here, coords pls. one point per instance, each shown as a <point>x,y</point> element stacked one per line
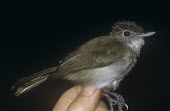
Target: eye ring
<point>126,33</point>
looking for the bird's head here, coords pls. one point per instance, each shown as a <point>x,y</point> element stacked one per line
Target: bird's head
<point>130,34</point>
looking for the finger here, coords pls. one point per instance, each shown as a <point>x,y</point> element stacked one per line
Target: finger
<point>84,102</point>
<point>101,107</point>
<point>67,98</point>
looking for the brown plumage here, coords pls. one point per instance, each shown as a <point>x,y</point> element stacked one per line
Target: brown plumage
<point>100,62</point>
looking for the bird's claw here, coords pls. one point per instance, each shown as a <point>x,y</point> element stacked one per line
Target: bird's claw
<point>121,105</point>
<point>119,101</point>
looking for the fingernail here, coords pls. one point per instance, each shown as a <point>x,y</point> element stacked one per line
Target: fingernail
<point>88,91</point>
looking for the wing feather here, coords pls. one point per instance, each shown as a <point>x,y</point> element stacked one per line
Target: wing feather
<point>93,54</point>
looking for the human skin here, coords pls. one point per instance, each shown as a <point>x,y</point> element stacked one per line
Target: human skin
<point>80,98</point>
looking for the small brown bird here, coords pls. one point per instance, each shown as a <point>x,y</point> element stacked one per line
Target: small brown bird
<point>101,62</point>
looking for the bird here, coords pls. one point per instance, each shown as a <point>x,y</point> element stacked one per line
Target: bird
<point>101,62</point>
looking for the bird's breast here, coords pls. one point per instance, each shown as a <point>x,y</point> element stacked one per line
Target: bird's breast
<point>109,75</point>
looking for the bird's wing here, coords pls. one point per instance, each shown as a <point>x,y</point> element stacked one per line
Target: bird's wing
<point>98,52</point>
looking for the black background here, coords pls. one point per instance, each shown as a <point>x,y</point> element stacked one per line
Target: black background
<point>35,35</point>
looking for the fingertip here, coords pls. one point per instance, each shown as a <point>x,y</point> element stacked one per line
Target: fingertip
<point>84,103</point>
<point>88,90</point>
<point>101,107</point>
<point>67,98</point>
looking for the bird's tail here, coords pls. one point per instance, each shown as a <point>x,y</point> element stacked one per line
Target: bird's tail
<point>32,81</point>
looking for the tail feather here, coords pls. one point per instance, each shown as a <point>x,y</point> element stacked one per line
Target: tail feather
<point>32,81</point>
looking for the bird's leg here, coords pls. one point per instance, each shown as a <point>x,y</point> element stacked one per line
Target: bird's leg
<point>119,101</point>
<point>110,101</point>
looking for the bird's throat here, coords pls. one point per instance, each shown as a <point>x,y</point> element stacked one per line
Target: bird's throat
<point>136,45</point>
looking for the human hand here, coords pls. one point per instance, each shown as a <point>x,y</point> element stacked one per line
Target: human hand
<point>80,99</point>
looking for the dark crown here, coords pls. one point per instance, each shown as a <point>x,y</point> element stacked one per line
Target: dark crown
<point>126,25</point>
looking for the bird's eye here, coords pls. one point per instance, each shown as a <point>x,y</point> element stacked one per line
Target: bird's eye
<point>127,33</point>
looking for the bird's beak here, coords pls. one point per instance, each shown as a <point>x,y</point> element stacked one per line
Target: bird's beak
<point>146,34</point>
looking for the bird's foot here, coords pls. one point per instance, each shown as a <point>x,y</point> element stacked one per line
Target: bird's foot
<point>119,101</point>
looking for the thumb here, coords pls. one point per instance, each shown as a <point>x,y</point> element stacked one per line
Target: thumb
<point>87,100</point>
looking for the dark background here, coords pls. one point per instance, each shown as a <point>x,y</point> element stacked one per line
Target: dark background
<point>36,35</point>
